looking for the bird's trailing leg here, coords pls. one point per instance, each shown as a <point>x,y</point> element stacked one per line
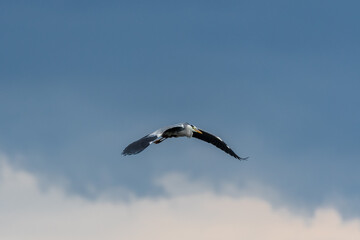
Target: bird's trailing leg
<point>159,140</point>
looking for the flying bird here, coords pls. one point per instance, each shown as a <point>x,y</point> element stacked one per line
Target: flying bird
<point>178,130</point>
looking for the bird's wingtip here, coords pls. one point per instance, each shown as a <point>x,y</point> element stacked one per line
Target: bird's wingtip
<point>242,159</point>
<point>125,153</point>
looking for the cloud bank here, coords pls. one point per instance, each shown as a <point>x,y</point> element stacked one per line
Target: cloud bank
<point>29,212</point>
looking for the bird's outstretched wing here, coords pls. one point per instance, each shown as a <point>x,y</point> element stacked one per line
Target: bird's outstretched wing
<point>216,141</point>
<point>142,143</point>
<point>139,145</point>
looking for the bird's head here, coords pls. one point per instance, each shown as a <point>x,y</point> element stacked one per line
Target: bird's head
<point>195,129</point>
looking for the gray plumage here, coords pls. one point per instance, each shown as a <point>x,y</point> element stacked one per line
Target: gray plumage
<point>178,130</point>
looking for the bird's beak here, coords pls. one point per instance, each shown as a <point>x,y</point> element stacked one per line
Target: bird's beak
<point>197,130</point>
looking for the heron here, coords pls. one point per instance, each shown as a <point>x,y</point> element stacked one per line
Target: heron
<point>174,131</point>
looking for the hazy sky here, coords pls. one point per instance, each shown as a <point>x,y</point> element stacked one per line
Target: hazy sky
<point>277,80</point>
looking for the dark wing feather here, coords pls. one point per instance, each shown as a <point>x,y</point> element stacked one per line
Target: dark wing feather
<point>207,137</point>
<point>171,132</point>
<point>139,145</point>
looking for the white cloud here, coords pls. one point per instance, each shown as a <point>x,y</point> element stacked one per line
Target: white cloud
<point>194,211</point>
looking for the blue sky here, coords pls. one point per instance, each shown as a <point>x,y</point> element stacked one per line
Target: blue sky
<point>277,80</point>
